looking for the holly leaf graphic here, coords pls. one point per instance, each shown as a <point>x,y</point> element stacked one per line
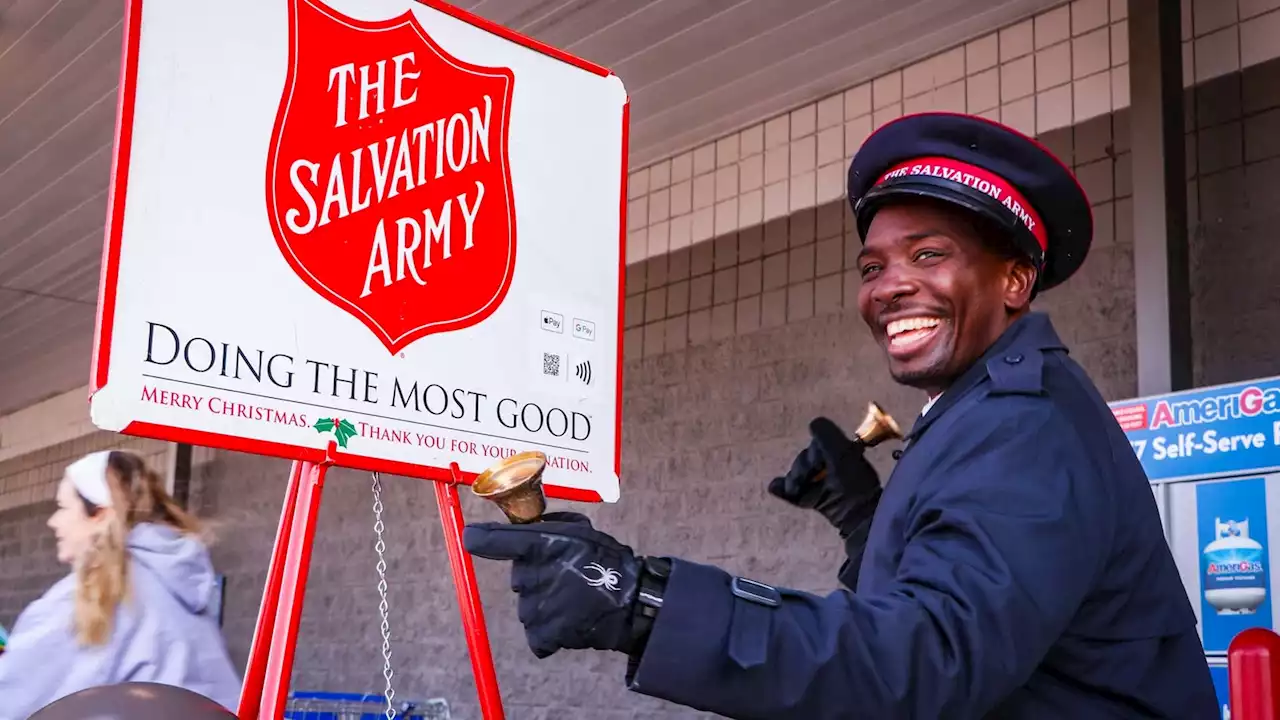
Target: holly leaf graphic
<point>344,431</point>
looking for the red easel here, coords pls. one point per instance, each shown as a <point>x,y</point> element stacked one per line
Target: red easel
<point>266,681</point>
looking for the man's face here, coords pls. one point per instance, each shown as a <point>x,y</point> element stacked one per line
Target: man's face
<point>933,293</point>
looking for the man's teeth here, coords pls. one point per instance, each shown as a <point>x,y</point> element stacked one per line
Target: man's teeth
<point>897,327</point>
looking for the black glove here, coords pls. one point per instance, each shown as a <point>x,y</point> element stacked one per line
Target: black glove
<point>577,585</point>
<point>850,482</point>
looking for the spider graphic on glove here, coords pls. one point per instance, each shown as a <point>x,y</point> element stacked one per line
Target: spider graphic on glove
<point>608,578</point>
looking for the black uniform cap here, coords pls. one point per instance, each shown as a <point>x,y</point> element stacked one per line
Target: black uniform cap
<point>987,168</point>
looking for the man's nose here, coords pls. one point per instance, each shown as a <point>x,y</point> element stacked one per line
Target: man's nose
<point>893,284</point>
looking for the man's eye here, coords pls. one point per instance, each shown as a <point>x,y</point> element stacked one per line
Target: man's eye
<point>927,254</point>
<point>868,269</point>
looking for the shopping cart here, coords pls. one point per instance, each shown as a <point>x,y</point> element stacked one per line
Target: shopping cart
<point>357,706</point>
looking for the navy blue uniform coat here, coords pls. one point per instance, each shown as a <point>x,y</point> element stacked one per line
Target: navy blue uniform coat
<point>1015,568</point>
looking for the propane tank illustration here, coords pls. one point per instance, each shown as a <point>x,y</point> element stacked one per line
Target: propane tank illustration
<point>1235,578</point>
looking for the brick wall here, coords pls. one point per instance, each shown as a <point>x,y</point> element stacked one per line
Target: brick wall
<point>1066,65</point>
<point>27,560</point>
<point>1235,196</point>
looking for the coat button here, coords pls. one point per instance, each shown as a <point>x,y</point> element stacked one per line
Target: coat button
<point>1013,359</point>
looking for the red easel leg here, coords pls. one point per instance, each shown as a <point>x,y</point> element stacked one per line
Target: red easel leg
<point>464,580</point>
<point>256,670</point>
<point>288,610</point>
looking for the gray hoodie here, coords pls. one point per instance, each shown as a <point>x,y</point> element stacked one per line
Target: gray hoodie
<point>163,635</point>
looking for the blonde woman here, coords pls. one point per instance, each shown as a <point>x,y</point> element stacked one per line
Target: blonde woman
<point>136,605</point>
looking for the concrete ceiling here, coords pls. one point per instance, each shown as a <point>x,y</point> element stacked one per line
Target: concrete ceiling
<point>695,69</point>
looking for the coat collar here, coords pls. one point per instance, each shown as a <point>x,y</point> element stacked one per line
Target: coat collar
<point>1027,336</point>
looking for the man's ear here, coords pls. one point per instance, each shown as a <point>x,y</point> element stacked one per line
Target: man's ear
<point>1020,284</point>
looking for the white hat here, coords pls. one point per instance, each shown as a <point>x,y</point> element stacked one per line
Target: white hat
<point>89,476</point>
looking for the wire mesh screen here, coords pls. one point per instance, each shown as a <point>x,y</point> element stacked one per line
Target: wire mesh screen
<point>355,706</point>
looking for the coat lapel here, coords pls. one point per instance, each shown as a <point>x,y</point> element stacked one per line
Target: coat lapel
<point>1031,333</point>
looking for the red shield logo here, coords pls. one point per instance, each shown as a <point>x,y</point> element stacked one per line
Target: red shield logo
<point>388,184</point>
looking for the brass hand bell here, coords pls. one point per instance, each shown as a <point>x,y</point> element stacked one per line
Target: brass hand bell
<point>514,484</point>
<point>876,427</point>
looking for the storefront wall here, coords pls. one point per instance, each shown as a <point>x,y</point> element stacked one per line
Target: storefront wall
<point>740,328</point>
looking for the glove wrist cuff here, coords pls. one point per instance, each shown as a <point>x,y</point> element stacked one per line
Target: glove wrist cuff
<point>654,572</point>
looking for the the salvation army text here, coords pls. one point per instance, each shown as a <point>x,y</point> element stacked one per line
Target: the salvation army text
<point>199,359</point>
<point>353,181</point>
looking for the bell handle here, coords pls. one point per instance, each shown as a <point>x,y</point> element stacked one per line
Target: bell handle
<point>876,427</point>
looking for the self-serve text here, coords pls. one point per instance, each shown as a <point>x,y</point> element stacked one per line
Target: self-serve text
<point>1210,442</point>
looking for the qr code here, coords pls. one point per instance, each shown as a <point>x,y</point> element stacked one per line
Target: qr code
<point>551,364</point>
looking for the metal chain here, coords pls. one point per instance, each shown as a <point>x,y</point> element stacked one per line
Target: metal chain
<point>381,546</point>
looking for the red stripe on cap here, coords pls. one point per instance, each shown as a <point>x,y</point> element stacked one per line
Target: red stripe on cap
<point>979,179</point>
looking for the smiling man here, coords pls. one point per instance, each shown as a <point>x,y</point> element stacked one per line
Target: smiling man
<point>1013,566</point>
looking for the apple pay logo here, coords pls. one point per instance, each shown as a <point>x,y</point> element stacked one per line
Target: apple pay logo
<point>552,322</point>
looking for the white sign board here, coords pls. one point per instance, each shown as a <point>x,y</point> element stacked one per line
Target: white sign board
<point>384,232</point>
